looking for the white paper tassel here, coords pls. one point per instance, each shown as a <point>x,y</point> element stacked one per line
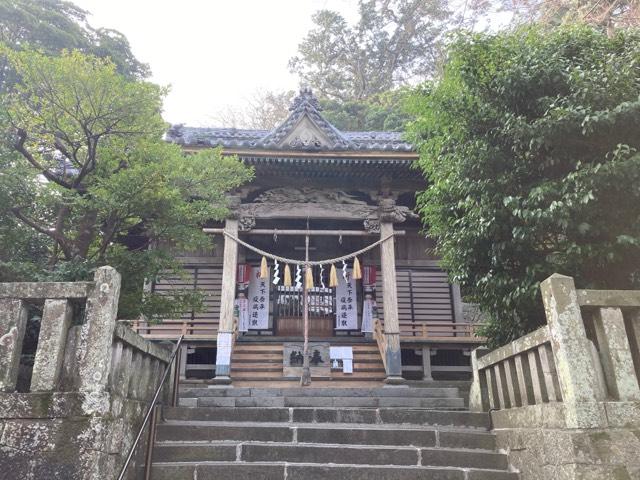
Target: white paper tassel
<point>298,277</point>
<point>344,271</point>
<point>276,272</point>
<point>322,276</point>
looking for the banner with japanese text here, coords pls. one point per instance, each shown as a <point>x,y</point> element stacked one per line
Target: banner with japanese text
<point>346,303</point>
<point>258,300</point>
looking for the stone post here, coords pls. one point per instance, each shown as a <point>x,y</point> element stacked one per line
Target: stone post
<point>96,337</point>
<point>478,395</point>
<point>13,322</point>
<point>47,366</point>
<point>390,295</point>
<point>227,302</point>
<point>571,351</point>
<point>426,364</point>
<point>615,354</point>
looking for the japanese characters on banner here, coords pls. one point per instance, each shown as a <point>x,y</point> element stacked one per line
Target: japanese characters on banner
<point>346,303</point>
<point>242,312</point>
<point>258,300</point>
<point>369,313</point>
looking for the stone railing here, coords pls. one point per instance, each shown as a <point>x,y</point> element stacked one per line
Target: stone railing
<point>519,374</point>
<point>91,380</point>
<point>565,399</point>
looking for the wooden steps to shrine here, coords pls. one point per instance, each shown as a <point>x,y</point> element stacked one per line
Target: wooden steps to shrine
<point>256,363</point>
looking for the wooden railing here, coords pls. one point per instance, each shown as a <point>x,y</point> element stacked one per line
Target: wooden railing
<point>170,329</point>
<point>207,330</point>
<point>381,340</point>
<point>447,331</point>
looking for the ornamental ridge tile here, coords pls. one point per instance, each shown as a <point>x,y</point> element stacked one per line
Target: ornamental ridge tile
<point>305,129</point>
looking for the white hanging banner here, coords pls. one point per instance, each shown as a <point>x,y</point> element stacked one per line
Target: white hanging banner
<point>369,313</point>
<point>242,310</point>
<point>223,348</point>
<point>346,303</point>
<point>258,300</point>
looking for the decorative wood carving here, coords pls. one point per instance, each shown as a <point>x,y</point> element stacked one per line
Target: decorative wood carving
<point>303,202</point>
<point>372,225</point>
<point>246,223</point>
<point>308,195</point>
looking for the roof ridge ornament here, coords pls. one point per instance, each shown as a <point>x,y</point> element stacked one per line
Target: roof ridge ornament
<point>304,98</point>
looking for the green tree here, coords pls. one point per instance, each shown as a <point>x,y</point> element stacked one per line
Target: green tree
<point>381,112</point>
<point>393,42</point>
<point>94,177</point>
<point>529,143</point>
<point>604,14</point>
<point>54,25</point>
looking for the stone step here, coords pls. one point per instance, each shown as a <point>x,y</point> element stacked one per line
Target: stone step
<point>344,434</point>
<point>379,416</point>
<point>404,392</point>
<point>273,451</point>
<point>324,402</point>
<point>295,471</point>
<point>317,383</point>
<point>268,380</point>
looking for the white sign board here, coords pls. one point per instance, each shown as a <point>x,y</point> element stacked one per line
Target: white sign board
<point>242,306</point>
<point>346,303</point>
<point>258,300</point>
<point>368,315</point>
<point>345,354</point>
<point>223,353</point>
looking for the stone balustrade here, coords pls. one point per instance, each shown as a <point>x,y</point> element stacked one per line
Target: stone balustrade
<point>91,381</point>
<point>519,374</point>
<point>565,399</point>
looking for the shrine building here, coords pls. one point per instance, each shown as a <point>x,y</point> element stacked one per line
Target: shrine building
<point>319,194</point>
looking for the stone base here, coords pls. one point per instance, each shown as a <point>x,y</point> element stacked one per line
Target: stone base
<point>221,380</point>
<point>395,381</point>
<point>541,446</point>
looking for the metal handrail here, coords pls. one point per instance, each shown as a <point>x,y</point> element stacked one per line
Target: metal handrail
<point>152,413</point>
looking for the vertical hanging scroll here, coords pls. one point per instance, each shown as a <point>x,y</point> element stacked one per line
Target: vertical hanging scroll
<point>346,303</point>
<point>242,312</point>
<point>258,301</point>
<point>369,313</point>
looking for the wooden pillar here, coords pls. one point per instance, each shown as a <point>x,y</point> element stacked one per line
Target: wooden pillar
<point>390,304</point>
<point>227,300</point>
<point>456,297</point>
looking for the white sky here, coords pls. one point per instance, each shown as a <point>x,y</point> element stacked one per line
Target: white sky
<point>213,53</point>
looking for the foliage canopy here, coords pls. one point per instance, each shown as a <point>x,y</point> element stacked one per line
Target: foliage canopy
<point>94,178</point>
<point>393,41</point>
<point>55,25</point>
<point>529,143</point>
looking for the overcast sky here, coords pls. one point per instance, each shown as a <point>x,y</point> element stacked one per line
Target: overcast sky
<point>213,53</point>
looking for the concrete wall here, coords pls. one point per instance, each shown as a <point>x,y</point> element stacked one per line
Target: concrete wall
<point>565,399</point>
<point>89,389</point>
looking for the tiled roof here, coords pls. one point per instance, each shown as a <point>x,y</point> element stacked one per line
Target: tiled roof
<point>303,105</point>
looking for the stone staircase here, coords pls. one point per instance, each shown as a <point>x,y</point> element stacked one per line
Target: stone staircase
<point>394,433</point>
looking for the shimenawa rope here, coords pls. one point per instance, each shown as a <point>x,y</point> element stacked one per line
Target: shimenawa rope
<point>302,262</point>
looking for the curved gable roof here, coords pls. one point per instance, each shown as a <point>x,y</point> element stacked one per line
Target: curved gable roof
<point>304,129</point>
